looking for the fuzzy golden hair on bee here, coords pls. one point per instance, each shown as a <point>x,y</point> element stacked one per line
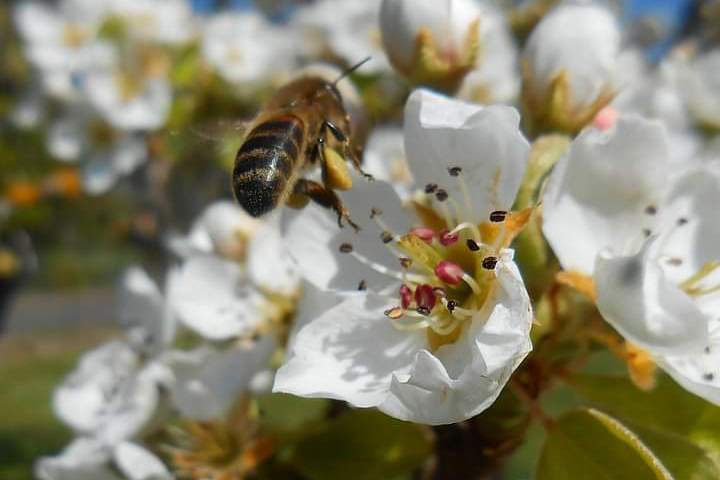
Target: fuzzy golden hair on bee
<point>305,125</point>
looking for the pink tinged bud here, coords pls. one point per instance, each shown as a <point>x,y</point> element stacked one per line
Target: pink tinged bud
<point>405,296</point>
<point>425,297</point>
<point>605,119</point>
<point>446,238</point>
<point>449,272</point>
<point>423,233</point>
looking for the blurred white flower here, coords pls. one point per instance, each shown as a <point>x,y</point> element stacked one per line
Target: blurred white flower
<point>701,88</point>
<point>223,228</point>
<point>432,42</point>
<point>346,28</point>
<point>130,100</point>
<point>162,21</point>
<point>236,277</point>
<point>86,459</point>
<point>62,44</point>
<point>617,207</point>
<point>446,318</point>
<point>384,158</point>
<point>112,395</point>
<point>245,47</point>
<point>563,85</point>
<point>209,381</point>
<point>30,109</point>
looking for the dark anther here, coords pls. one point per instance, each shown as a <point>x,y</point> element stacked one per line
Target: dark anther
<point>708,377</point>
<point>346,247</point>
<point>405,262</point>
<point>682,221</point>
<point>451,304</point>
<point>430,188</point>
<point>386,236</point>
<point>454,171</point>
<point>489,263</point>
<point>674,261</point>
<point>374,212</point>
<point>362,286</point>
<point>707,349</point>
<point>647,232</point>
<point>651,209</point>
<point>441,195</point>
<point>498,216</point>
<point>472,245</point>
<point>423,311</point>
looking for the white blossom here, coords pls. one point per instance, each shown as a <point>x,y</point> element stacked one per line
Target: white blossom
<point>617,208</point>
<point>434,342</point>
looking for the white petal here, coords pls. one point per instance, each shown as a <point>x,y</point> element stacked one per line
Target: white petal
<point>99,175</point>
<point>83,459</point>
<point>223,227</point>
<point>138,463</point>
<point>207,381</point>
<point>214,298</point>
<point>313,238</point>
<point>598,192</point>
<point>697,373</point>
<point>485,142</point>
<point>350,352</point>
<point>464,378</point>
<point>269,263</point>
<point>636,298</point>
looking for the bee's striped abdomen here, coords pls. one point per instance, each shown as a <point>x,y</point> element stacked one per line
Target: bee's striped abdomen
<point>265,162</point>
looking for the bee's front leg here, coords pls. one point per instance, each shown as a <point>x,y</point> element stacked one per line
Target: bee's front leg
<point>348,150</point>
<point>325,197</point>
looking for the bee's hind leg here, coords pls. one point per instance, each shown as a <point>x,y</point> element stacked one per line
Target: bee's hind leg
<point>325,197</point>
<point>348,150</point>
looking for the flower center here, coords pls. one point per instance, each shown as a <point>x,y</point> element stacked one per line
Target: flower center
<point>447,265</point>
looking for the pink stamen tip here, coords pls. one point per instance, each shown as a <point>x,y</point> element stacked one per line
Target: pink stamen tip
<point>605,119</point>
<point>423,233</point>
<point>449,272</point>
<point>425,296</point>
<point>405,296</point>
<point>447,238</point>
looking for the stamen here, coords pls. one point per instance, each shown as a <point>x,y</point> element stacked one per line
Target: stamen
<point>362,286</point>
<point>346,248</point>
<point>651,210</point>
<point>423,311</point>
<point>468,226</point>
<point>386,236</point>
<point>489,263</point>
<point>441,195</point>
<point>440,292</point>
<point>423,233</point>
<point>473,284</point>
<point>425,297</point>
<point>472,245</point>
<point>446,238</point>
<point>405,262</point>
<point>449,272</point>
<point>405,296</point>
<point>681,221</point>
<point>374,212</point>
<point>430,188</point>
<point>454,171</point>
<point>498,216</point>
<point>394,313</point>
<point>383,270</point>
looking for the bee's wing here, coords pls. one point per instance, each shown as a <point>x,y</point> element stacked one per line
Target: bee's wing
<point>221,136</point>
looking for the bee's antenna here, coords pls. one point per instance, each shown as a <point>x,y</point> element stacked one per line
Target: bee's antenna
<point>351,70</point>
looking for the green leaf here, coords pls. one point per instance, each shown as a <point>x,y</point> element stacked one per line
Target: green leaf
<point>363,444</point>
<point>284,413</point>
<point>683,429</point>
<point>591,445</point>
<point>667,408</point>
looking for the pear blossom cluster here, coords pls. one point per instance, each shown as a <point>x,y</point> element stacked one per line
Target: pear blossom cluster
<point>523,195</point>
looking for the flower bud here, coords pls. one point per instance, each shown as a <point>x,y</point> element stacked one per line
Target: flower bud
<point>569,68</point>
<point>434,43</point>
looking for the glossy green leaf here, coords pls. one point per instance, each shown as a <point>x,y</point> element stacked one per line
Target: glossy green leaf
<point>363,444</point>
<point>591,445</point>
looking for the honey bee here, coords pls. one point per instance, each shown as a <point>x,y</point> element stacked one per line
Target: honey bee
<point>299,129</point>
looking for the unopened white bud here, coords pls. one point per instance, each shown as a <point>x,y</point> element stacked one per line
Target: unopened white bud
<point>570,67</point>
<point>431,42</point>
